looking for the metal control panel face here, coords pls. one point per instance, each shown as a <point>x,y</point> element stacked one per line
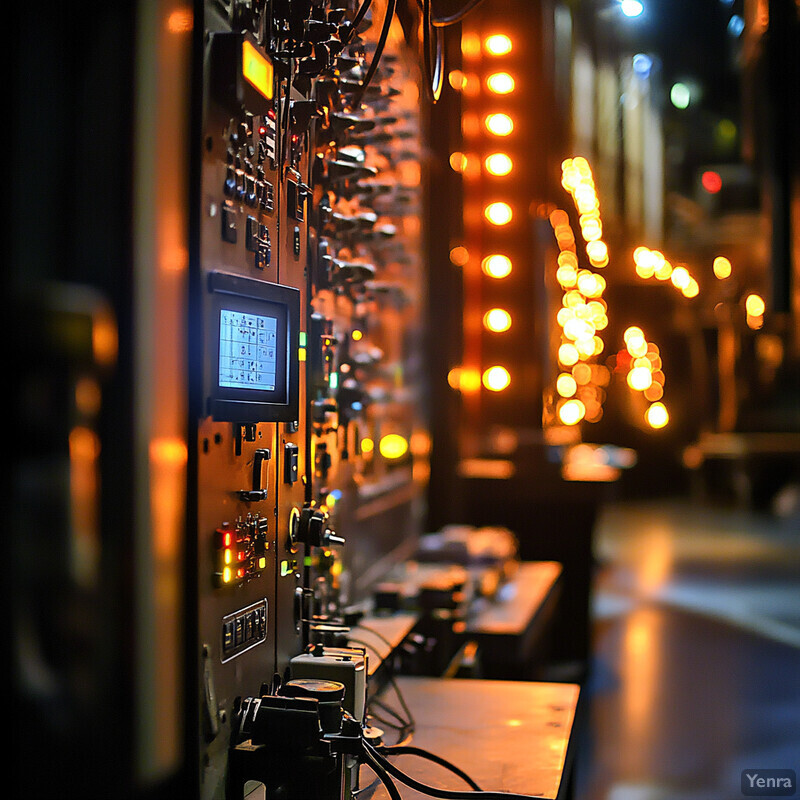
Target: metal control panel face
<point>306,307</point>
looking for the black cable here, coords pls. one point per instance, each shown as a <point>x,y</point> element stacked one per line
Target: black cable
<point>405,750</point>
<point>376,633</point>
<point>392,677</point>
<point>433,791</point>
<point>433,66</point>
<point>391,6</point>
<point>401,724</point>
<point>357,19</point>
<point>375,765</point>
<point>452,19</point>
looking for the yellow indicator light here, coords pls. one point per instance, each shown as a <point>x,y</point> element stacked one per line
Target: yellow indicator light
<point>572,412</point>
<point>499,124</point>
<point>367,445</point>
<point>393,446</point>
<point>498,164</point>
<point>459,256</point>
<point>657,415</point>
<point>755,305</point>
<point>497,320</point>
<point>262,563</point>
<point>498,213</point>
<point>500,83</point>
<point>498,44</point>
<point>356,335</point>
<point>257,69</point>
<point>301,354</point>
<point>566,385</point>
<point>495,379</point>
<point>496,266</point>
<point>228,556</point>
<point>226,575</point>
<point>722,267</point>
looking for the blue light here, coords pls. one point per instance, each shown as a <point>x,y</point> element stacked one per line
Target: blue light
<point>631,8</point>
<point>735,25</point>
<point>642,64</point>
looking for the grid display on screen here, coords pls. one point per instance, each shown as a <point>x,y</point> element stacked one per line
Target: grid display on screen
<point>247,350</point>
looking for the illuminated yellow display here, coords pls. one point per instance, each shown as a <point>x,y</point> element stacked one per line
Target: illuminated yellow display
<point>367,445</point>
<point>257,69</point>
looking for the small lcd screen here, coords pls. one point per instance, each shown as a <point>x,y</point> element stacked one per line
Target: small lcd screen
<point>248,351</point>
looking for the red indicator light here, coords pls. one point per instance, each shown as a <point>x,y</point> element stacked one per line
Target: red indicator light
<point>262,130</point>
<point>240,572</point>
<point>711,181</point>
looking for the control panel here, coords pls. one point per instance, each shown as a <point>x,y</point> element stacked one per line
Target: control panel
<point>307,293</point>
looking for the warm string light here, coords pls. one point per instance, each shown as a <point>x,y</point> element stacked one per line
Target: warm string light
<point>577,391</point>
<point>645,374</point>
<point>577,179</point>
<point>654,264</point>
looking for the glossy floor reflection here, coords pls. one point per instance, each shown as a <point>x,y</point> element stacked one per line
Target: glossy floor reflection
<point>696,668</point>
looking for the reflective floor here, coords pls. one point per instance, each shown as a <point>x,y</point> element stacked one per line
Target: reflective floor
<point>696,668</point>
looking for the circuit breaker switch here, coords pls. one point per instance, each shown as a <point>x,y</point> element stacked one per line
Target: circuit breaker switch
<point>257,493</point>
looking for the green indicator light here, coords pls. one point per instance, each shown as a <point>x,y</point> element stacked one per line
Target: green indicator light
<point>308,561</point>
<point>334,380</point>
<point>285,568</point>
<point>302,338</point>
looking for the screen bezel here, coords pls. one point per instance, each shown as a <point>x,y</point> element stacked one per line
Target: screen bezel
<point>239,294</point>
